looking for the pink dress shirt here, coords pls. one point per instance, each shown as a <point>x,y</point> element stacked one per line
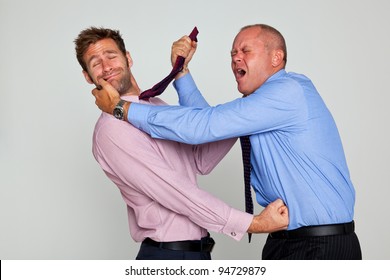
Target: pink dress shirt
<point>157,180</point>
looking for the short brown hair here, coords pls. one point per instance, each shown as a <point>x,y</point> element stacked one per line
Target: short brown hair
<point>93,34</point>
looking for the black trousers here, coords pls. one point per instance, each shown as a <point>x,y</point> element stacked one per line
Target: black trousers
<point>148,252</point>
<point>332,247</point>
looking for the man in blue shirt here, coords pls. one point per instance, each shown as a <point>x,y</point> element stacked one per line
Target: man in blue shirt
<point>296,155</point>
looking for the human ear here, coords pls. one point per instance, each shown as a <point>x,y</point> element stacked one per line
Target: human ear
<point>129,59</point>
<point>87,77</point>
<point>277,58</point>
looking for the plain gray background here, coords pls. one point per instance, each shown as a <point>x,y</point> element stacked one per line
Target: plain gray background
<point>56,203</point>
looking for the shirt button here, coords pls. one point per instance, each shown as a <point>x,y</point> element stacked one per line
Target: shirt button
<point>233,233</point>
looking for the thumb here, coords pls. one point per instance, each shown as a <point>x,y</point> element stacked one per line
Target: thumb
<point>283,210</point>
<point>278,203</point>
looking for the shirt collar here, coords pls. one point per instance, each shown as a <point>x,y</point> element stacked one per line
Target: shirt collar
<point>275,76</point>
<point>131,98</point>
<point>278,74</point>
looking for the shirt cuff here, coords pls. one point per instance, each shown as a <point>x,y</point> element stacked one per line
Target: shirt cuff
<point>138,116</point>
<point>237,224</point>
<point>185,85</point>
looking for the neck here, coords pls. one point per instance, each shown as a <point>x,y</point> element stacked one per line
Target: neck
<point>134,89</point>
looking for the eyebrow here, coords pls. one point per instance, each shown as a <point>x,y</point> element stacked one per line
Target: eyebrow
<point>104,52</point>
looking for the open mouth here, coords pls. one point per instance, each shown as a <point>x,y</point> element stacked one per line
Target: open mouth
<point>240,73</point>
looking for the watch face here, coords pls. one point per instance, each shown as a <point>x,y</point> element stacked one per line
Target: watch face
<point>118,113</point>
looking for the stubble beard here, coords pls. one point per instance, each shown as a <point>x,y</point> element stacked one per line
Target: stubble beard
<point>123,86</point>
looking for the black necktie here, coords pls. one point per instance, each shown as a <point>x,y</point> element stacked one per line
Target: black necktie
<point>158,88</point>
<point>246,160</point>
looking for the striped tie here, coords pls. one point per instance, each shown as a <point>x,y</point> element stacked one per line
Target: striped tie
<point>246,159</point>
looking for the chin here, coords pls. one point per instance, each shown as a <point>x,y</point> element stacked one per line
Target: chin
<point>243,92</point>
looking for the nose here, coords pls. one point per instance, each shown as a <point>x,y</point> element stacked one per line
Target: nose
<point>106,66</point>
<point>236,57</point>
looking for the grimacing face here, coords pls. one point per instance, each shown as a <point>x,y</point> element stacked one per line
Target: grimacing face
<point>105,61</point>
<point>251,61</point>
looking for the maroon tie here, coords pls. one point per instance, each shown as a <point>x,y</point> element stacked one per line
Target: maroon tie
<point>246,160</point>
<point>157,89</point>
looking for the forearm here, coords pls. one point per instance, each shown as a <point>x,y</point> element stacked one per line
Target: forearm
<point>207,156</point>
<point>188,92</point>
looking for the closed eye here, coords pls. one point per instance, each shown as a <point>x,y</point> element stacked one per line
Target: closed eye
<point>96,64</point>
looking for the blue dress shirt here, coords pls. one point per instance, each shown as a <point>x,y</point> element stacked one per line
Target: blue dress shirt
<point>297,154</point>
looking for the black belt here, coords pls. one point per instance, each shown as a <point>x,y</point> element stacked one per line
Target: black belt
<point>206,244</point>
<point>313,231</point>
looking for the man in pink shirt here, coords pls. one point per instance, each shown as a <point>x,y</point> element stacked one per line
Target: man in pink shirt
<point>167,211</point>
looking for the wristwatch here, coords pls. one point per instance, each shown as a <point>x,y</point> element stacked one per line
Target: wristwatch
<point>119,111</point>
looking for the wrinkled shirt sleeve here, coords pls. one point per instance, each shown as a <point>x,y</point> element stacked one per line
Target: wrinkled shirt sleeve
<point>274,106</point>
